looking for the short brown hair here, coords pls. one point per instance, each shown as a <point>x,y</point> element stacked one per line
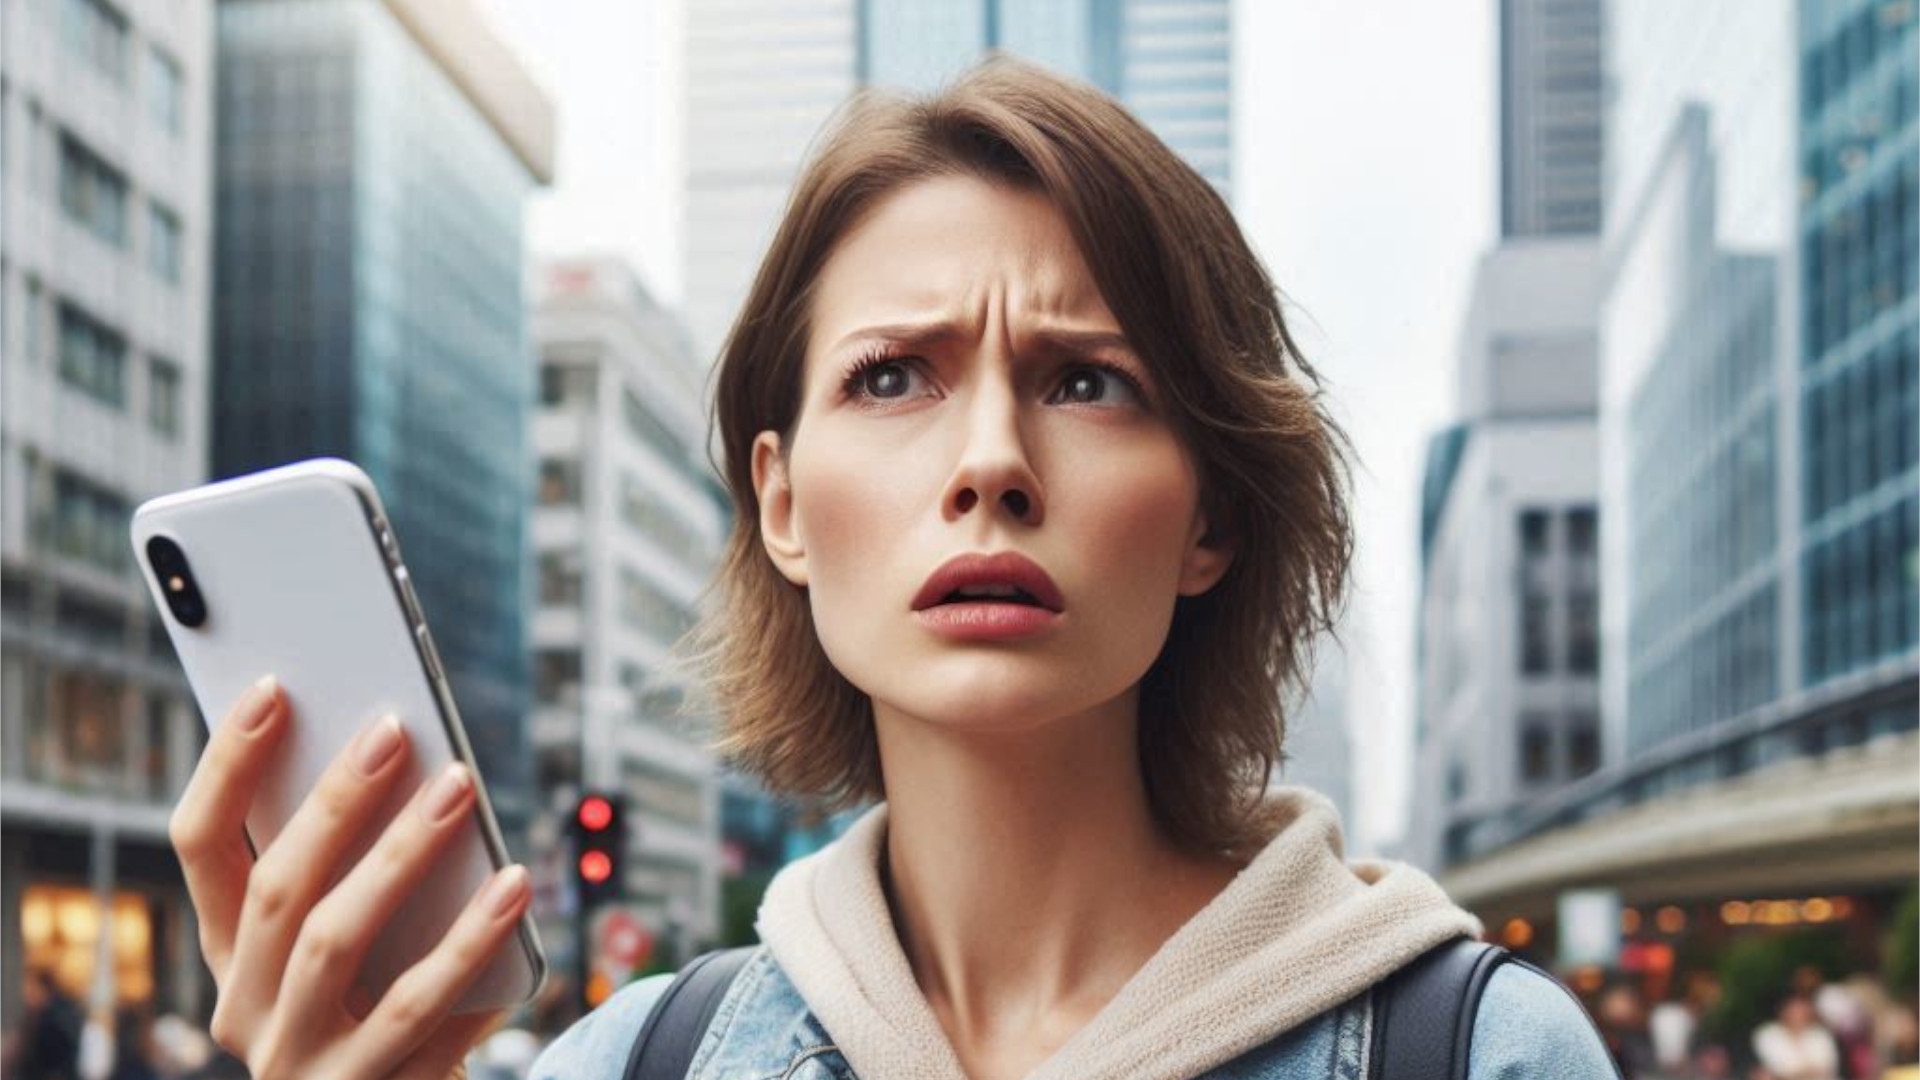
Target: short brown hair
<point>1199,309</point>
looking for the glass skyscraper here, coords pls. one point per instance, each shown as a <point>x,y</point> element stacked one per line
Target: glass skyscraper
<point>1759,376</point>
<point>1859,352</point>
<point>372,163</point>
<point>1550,117</point>
<point>764,76</point>
<point>1168,60</point>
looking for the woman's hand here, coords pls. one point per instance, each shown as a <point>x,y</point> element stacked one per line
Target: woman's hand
<point>284,949</point>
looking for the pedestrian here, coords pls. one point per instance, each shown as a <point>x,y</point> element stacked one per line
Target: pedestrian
<point>1623,1025</point>
<point>1671,1026</point>
<point>135,1056</point>
<point>1795,1045</point>
<point>1037,503</point>
<point>1897,1040</point>
<point>52,1023</point>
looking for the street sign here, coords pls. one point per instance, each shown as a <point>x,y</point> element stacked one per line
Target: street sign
<point>624,941</point>
<point>1589,928</point>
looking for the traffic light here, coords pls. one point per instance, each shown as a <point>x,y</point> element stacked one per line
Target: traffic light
<point>599,847</point>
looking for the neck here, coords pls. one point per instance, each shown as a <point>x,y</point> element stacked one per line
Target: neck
<point>1027,877</point>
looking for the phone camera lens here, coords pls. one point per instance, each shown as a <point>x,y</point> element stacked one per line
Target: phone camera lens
<point>176,581</point>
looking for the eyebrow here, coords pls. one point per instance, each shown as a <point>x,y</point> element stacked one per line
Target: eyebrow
<point>934,333</point>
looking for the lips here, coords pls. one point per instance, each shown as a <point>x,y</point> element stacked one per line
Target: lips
<point>1006,568</point>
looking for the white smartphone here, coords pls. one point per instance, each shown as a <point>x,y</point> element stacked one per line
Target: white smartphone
<point>295,572</point>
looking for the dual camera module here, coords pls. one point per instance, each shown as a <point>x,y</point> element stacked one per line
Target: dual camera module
<point>176,581</point>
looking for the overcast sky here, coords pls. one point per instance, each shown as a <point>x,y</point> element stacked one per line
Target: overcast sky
<point>1363,173</point>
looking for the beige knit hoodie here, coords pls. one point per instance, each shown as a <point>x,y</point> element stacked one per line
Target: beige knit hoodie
<point>1297,932</point>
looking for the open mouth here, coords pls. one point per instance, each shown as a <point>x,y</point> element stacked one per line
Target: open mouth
<point>1002,580</point>
<point>1008,595</point>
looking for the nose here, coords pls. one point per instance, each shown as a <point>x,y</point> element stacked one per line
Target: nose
<point>994,469</point>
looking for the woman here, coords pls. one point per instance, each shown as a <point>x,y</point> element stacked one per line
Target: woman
<point>1038,509</point>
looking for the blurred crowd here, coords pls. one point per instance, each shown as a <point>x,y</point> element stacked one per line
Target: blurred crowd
<point>58,1038</point>
<point>1820,1029</point>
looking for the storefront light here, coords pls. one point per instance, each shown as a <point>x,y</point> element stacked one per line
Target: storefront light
<point>77,918</point>
<point>1736,913</point>
<point>60,931</point>
<point>36,921</point>
<point>1670,920</point>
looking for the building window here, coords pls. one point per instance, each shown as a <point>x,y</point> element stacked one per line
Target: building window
<point>158,767</point>
<point>1533,532</point>
<point>92,193</point>
<point>165,93</point>
<point>89,522</point>
<point>646,609</point>
<point>1535,654</point>
<point>646,427</point>
<point>163,242</point>
<point>563,383</point>
<point>650,517</point>
<point>1582,529</point>
<point>1583,632</point>
<point>32,316</point>
<point>1583,744</point>
<point>96,31</point>
<point>1536,748</point>
<point>560,578</point>
<point>92,357</point>
<point>557,677</point>
<point>163,396</point>
<point>559,482</point>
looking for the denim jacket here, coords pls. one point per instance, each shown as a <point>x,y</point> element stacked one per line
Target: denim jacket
<point>1527,1027</point>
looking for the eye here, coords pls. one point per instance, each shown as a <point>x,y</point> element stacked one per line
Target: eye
<point>885,380</point>
<point>878,377</point>
<point>1093,382</point>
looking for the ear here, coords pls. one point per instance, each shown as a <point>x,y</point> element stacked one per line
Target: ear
<point>1208,555</point>
<point>777,532</point>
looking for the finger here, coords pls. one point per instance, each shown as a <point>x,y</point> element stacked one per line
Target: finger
<point>208,826</point>
<point>445,1051</point>
<point>296,868</point>
<point>419,1000</point>
<point>342,926</point>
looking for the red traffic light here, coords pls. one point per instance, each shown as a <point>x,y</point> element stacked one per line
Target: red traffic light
<point>596,867</point>
<point>596,813</point>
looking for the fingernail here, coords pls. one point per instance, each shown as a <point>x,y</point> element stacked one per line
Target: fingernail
<point>260,702</point>
<point>505,890</point>
<point>377,746</point>
<point>446,793</point>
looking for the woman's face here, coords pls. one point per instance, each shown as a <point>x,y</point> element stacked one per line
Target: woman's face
<point>966,390</point>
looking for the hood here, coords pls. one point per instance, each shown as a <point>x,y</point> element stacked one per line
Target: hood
<point>1297,932</point>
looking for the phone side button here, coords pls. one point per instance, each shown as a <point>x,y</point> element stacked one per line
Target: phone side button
<point>407,598</point>
<point>388,544</point>
<point>429,653</point>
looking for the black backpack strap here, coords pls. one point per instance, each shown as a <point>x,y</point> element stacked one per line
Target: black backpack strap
<point>664,1049</point>
<point>1423,1013</point>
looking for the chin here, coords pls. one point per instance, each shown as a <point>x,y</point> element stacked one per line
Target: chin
<point>999,702</point>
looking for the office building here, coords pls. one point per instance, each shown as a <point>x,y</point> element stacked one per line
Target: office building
<point>106,215</point>
<point>1509,610</point>
<point>628,524</point>
<point>373,162</point>
<point>1551,100</point>
<point>764,77</point>
<point>1760,496</point>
